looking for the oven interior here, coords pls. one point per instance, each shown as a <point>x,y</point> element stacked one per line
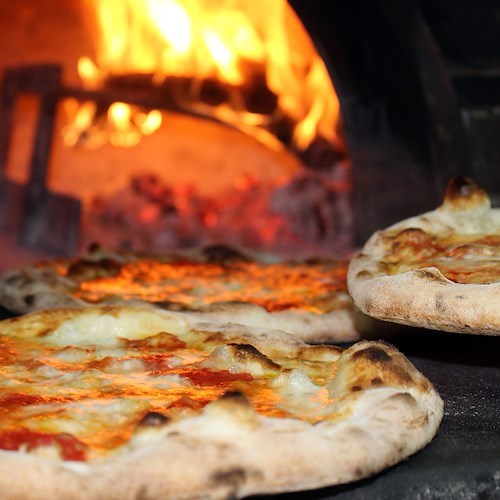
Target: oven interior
<point>418,104</point>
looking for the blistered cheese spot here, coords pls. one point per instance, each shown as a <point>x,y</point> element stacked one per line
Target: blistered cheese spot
<point>294,383</point>
<point>119,365</point>
<point>73,354</point>
<point>153,419</point>
<point>110,329</point>
<point>320,353</point>
<point>242,358</point>
<point>231,412</point>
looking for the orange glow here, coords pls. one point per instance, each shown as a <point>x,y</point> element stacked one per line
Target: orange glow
<point>275,287</point>
<point>69,394</point>
<point>51,403</point>
<point>233,42</point>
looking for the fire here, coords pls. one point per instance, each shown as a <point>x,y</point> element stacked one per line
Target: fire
<point>237,44</point>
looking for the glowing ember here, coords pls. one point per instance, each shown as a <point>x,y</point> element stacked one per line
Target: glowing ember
<point>296,218</point>
<point>210,44</point>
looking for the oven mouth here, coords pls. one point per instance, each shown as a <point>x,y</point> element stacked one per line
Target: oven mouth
<point>295,198</point>
<point>401,129</point>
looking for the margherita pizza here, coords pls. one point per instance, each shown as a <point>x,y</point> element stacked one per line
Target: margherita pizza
<point>308,299</point>
<point>439,270</point>
<point>130,402</point>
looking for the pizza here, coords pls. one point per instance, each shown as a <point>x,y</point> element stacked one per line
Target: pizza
<point>138,402</point>
<point>306,298</point>
<point>439,270</point>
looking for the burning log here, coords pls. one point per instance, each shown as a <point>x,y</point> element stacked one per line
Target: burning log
<point>202,98</point>
<point>260,74</point>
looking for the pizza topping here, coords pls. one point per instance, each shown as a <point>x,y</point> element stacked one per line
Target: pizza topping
<point>460,259</point>
<point>153,419</point>
<point>411,245</point>
<point>472,251</point>
<point>185,284</point>
<point>18,399</point>
<point>50,445</point>
<point>471,272</point>
<point>461,238</point>
<point>243,358</point>
<point>141,370</point>
<point>215,378</point>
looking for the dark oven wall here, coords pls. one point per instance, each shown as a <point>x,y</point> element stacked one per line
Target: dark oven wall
<point>407,122</point>
<point>468,34</point>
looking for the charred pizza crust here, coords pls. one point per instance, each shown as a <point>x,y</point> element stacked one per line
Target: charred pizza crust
<point>400,275</point>
<point>328,317</point>
<point>377,410</point>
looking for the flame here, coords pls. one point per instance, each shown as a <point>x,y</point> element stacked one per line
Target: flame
<point>233,42</point>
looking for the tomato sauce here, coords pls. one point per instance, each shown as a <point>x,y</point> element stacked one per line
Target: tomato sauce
<point>203,377</point>
<point>70,447</point>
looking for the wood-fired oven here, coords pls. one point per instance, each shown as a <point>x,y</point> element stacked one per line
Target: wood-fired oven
<point>417,85</point>
<point>290,171</point>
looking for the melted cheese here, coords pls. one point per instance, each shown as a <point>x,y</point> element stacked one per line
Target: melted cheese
<point>275,286</point>
<point>460,258</point>
<point>80,390</point>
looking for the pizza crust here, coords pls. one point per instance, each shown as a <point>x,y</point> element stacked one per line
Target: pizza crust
<point>424,297</point>
<point>335,319</point>
<point>342,324</point>
<point>382,410</point>
<point>30,289</point>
